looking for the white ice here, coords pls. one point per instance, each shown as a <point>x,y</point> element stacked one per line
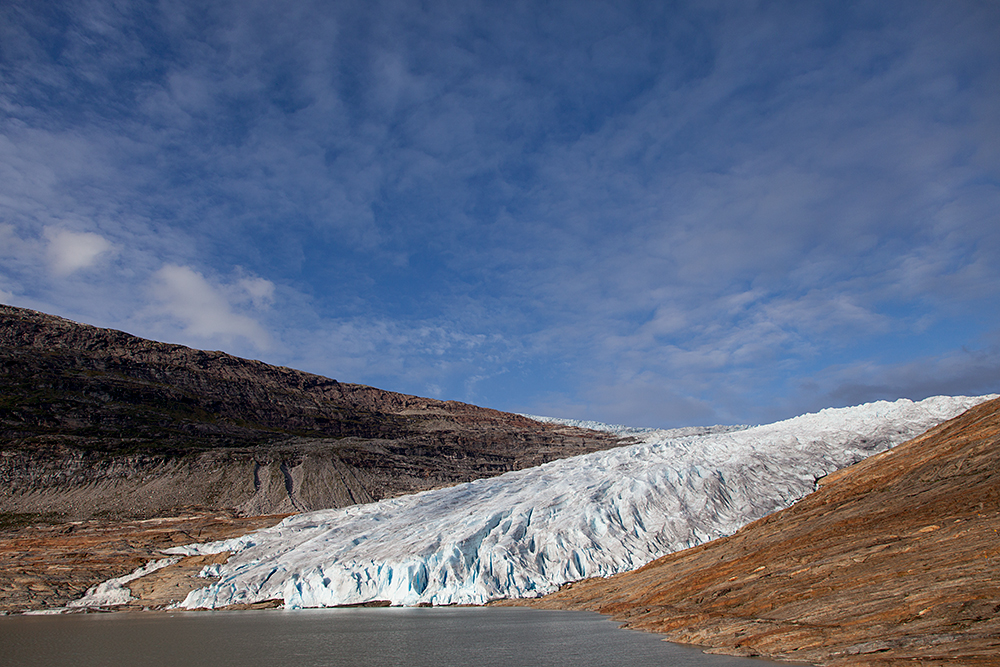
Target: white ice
<point>524,533</point>
<point>113,592</point>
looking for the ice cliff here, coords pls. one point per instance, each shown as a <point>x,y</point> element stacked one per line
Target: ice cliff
<point>526,532</point>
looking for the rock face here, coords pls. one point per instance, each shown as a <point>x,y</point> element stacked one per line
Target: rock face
<point>99,422</point>
<point>892,561</point>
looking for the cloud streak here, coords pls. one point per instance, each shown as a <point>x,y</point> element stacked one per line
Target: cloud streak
<point>663,215</point>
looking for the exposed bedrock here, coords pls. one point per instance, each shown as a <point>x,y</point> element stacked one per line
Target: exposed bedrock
<point>893,561</point>
<point>96,422</point>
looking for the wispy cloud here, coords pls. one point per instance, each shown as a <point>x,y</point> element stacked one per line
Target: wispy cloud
<point>649,213</point>
<point>969,371</point>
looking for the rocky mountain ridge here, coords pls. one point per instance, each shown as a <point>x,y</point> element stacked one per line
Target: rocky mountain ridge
<point>97,422</point>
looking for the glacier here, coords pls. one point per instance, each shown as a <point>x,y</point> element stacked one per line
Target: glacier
<point>525,533</point>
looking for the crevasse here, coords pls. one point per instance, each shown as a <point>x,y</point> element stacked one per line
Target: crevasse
<point>527,532</point>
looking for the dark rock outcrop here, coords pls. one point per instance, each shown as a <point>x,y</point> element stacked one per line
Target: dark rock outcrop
<point>99,422</point>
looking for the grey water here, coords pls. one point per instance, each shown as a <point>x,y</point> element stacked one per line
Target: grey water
<point>411,637</point>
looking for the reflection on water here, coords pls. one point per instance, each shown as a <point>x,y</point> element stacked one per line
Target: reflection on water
<point>436,637</point>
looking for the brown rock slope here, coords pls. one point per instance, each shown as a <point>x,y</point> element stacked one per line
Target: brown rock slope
<point>893,561</point>
<point>44,566</point>
<point>95,422</point>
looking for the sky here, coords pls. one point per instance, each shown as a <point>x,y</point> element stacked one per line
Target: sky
<point>648,213</point>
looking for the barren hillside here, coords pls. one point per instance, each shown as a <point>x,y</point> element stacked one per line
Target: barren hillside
<point>96,422</point>
<point>892,561</point>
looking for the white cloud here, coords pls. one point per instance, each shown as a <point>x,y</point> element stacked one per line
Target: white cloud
<point>258,290</point>
<point>69,252</point>
<point>706,214</point>
<point>206,311</point>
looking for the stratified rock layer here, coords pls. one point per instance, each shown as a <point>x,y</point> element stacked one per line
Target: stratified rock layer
<point>95,422</point>
<point>893,561</point>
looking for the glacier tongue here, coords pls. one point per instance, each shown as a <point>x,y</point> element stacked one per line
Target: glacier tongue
<point>526,532</point>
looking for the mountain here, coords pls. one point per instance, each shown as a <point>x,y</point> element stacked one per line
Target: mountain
<point>893,561</point>
<point>96,422</point>
<point>527,532</point>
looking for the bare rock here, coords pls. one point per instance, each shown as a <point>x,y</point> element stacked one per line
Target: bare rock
<point>893,561</point>
<point>99,423</point>
<point>44,566</point>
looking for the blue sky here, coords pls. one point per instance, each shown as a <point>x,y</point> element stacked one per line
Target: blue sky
<point>652,213</point>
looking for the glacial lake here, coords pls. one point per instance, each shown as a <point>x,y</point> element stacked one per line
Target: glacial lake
<point>414,637</point>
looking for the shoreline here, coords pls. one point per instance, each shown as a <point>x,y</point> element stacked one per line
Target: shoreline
<point>47,565</point>
<point>890,561</point>
<point>136,543</point>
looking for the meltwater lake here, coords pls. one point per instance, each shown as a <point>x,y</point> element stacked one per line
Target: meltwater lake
<point>412,637</point>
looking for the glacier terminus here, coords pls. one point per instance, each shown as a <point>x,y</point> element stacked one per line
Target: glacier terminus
<point>525,533</point>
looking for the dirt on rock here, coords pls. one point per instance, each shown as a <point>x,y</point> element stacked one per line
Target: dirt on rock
<point>893,561</point>
<point>45,566</point>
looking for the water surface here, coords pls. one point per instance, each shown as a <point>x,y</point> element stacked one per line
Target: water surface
<point>414,637</point>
